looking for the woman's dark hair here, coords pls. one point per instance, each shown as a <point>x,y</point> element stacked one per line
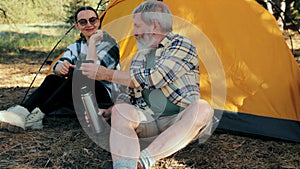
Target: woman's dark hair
<point>83,8</point>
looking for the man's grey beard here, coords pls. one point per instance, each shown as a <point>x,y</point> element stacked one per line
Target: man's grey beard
<point>145,44</point>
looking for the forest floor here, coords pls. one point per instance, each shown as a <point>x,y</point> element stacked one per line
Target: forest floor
<point>64,144</point>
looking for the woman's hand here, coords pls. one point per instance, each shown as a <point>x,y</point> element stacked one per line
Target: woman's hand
<point>97,36</point>
<point>63,68</point>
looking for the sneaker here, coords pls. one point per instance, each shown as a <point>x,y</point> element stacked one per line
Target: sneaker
<point>35,119</point>
<point>13,119</point>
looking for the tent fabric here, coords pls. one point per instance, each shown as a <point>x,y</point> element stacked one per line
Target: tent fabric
<point>253,125</point>
<point>248,72</point>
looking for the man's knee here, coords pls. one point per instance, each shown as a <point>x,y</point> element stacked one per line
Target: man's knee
<point>204,111</point>
<point>124,113</point>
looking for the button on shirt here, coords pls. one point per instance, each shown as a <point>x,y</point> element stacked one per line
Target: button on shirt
<point>176,73</point>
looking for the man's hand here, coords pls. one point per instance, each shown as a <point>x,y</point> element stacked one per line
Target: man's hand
<point>97,72</point>
<point>106,113</point>
<point>93,71</point>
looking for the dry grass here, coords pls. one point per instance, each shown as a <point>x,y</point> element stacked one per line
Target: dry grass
<point>63,144</point>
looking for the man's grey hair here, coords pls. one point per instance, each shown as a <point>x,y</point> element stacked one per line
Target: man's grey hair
<point>152,10</point>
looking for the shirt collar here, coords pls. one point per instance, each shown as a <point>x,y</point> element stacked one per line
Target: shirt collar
<point>166,40</point>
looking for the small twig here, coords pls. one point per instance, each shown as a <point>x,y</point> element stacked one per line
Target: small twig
<point>10,148</point>
<point>47,163</point>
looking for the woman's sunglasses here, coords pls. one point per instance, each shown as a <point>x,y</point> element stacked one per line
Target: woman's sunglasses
<point>84,22</point>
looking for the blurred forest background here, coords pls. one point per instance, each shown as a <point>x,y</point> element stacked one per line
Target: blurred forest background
<point>53,11</point>
<point>31,29</point>
<point>43,11</point>
<point>35,27</point>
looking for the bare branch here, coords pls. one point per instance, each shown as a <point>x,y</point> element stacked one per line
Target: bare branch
<point>4,13</point>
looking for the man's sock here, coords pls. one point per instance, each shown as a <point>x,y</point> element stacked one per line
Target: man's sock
<point>146,159</point>
<point>125,163</point>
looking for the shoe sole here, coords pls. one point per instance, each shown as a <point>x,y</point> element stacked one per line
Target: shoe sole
<point>10,128</point>
<point>34,125</point>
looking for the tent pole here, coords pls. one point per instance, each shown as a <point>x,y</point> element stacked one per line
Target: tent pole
<point>49,54</point>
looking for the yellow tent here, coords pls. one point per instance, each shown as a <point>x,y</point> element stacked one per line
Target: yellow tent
<point>247,70</point>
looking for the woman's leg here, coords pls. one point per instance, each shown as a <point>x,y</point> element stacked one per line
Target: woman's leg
<point>103,96</point>
<point>52,92</point>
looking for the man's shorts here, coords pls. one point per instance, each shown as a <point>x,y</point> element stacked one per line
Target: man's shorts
<point>150,127</point>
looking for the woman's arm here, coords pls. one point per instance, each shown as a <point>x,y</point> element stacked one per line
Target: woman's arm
<point>92,55</point>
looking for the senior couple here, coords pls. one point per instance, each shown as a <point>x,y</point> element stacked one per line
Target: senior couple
<point>162,100</point>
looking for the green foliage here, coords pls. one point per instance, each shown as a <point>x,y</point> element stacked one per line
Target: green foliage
<point>73,5</point>
<point>37,25</point>
<point>296,11</point>
<point>41,11</point>
<point>32,11</point>
<point>35,38</point>
<point>49,11</point>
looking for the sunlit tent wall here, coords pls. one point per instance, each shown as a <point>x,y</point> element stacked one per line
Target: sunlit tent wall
<point>248,72</point>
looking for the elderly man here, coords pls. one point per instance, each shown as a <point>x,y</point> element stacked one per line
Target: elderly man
<point>163,102</point>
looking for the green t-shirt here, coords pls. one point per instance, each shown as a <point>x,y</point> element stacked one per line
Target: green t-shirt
<point>155,99</point>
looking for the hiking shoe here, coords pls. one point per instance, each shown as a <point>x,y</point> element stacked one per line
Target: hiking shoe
<point>13,119</point>
<point>35,119</point>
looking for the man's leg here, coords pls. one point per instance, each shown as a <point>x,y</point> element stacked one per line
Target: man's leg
<point>123,138</point>
<point>194,118</point>
<point>124,142</point>
<point>103,96</point>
